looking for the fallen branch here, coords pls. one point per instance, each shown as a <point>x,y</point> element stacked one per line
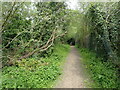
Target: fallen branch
<point>45,47</point>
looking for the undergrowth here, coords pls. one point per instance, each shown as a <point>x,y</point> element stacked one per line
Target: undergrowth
<point>32,73</point>
<point>103,74</point>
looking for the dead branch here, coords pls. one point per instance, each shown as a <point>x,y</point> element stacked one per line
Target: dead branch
<point>45,47</point>
<point>15,38</point>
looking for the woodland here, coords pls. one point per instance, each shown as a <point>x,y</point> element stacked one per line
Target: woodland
<point>36,38</point>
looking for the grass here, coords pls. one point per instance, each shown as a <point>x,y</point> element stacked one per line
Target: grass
<point>32,73</point>
<point>103,74</point>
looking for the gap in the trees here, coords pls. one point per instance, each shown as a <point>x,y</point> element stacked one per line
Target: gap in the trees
<point>71,41</point>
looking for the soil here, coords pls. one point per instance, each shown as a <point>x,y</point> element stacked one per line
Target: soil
<point>74,73</point>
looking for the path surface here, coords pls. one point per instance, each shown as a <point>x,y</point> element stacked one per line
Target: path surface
<point>74,75</point>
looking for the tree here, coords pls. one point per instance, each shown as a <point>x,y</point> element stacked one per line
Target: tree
<point>25,35</point>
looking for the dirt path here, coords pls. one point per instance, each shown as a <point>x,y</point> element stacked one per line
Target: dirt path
<point>74,75</point>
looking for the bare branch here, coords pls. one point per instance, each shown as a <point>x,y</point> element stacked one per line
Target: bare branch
<point>45,47</point>
<point>15,38</point>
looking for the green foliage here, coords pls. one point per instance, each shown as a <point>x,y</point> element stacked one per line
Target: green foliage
<point>102,25</point>
<point>74,19</point>
<point>26,29</point>
<point>32,73</point>
<point>99,32</point>
<point>104,74</point>
<point>30,26</point>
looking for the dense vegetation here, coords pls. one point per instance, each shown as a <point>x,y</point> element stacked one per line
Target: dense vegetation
<point>104,74</point>
<point>100,30</point>
<point>34,38</point>
<point>99,33</point>
<point>31,33</point>
<point>35,73</point>
<point>25,35</point>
